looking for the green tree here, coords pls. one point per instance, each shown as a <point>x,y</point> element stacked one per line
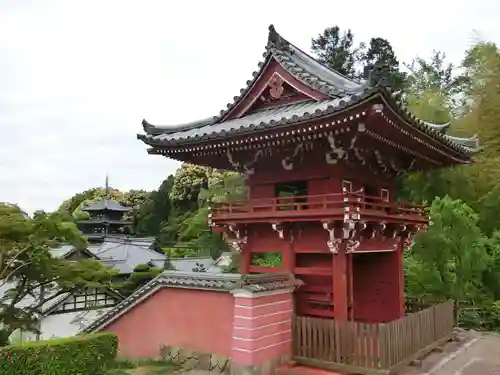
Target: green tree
<point>381,54</point>
<point>336,50</point>
<point>153,214</point>
<point>448,260</point>
<point>141,275</point>
<point>438,81</point>
<point>28,270</point>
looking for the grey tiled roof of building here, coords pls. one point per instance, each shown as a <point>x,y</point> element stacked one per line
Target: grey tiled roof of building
<point>121,253</point>
<point>190,264</point>
<point>124,254</point>
<point>342,91</point>
<point>106,204</point>
<point>225,282</point>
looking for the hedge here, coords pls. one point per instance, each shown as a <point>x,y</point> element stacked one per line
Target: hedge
<point>79,355</point>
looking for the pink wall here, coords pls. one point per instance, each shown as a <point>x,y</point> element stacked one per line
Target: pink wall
<point>185,318</point>
<point>262,328</point>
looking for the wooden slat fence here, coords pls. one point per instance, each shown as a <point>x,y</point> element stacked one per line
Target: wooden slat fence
<point>372,346</point>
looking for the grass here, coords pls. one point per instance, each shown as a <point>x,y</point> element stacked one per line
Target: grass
<point>142,367</point>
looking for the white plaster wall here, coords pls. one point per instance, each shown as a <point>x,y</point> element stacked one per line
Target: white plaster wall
<point>67,324</point>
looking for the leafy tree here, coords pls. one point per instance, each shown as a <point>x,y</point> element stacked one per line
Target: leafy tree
<point>141,275</point>
<point>154,212</point>
<point>29,272</point>
<point>134,199</point>
<point>188,181</point>
<point>435,74</point>
<point>381,54</point>
<point>336,50</point>
<point>482,65</point>
<point>450,258</point>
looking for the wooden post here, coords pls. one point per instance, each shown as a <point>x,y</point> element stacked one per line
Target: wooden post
<point>340,288</point>
<point>288,257</point>
<point>400,280</point>
<point>245,260</point>
<point>350,286</point>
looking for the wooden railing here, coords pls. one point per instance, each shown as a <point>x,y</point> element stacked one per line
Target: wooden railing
<point>365,347</point>
<point>322,202</point>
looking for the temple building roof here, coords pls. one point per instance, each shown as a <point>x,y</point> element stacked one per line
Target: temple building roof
<point>106,204</point>
<point>323,92</point>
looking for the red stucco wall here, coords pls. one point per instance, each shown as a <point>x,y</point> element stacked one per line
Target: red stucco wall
<point>185,318</point>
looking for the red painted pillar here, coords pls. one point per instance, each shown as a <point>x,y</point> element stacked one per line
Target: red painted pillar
<point>400,282</point>
<point>340,284</point>
<point>245,260</point>
<point>288,257</point>
<point>350,287</point>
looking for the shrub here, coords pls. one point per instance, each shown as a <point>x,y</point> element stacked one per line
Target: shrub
<point>80,355</point>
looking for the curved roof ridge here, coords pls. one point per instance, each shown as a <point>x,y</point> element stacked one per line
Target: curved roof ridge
<point>439,127</point>
<point>168,129</point>
<point>277,39</point>
<point>295,61</point>
<point>106,204</point>
<point>471,143</point>
<point>433,130</point>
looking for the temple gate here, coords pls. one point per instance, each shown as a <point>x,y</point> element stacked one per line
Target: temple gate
<point>321,154</point>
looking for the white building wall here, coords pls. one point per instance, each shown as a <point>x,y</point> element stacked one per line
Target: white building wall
<point>67,324</point>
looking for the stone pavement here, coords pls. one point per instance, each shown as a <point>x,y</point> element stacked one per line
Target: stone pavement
<point>479,354</point>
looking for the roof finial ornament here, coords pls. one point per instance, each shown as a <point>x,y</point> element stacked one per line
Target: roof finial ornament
<point>106,187</point>
<point>377,74</point>
<point>275,39</point>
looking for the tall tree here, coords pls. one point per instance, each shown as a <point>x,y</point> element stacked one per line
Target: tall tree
<point>154,213</point>
<point>380,54</point>
<point>482,65</point>
<point>336,50</point>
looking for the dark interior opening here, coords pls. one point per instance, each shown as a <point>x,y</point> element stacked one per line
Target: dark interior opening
<point>295,191</point>
<point>370,192</point>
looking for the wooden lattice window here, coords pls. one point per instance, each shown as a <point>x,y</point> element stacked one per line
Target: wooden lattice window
<point>87,299</point>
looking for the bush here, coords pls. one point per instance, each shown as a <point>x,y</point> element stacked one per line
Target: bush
<point>80,355</point>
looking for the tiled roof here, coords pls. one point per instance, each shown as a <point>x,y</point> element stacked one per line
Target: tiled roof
<point>197,280</point>
<point>124,253</point>
<point>106,204</point>
<point>304,111</point>
<point>104,221</point>
<point>343,93</point>
<point>190,264</point>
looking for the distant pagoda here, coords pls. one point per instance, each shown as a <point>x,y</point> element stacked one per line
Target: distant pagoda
<point>106,218</point>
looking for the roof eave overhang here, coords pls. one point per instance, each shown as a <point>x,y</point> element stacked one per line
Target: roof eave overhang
<point>417,124</point>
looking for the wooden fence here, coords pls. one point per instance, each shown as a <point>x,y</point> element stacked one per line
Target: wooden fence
<point>365,347</point>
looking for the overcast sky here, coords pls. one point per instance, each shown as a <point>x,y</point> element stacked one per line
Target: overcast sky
<point>78,76</point>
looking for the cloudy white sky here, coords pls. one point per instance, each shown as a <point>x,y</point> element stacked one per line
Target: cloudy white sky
<point>78,76</point>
